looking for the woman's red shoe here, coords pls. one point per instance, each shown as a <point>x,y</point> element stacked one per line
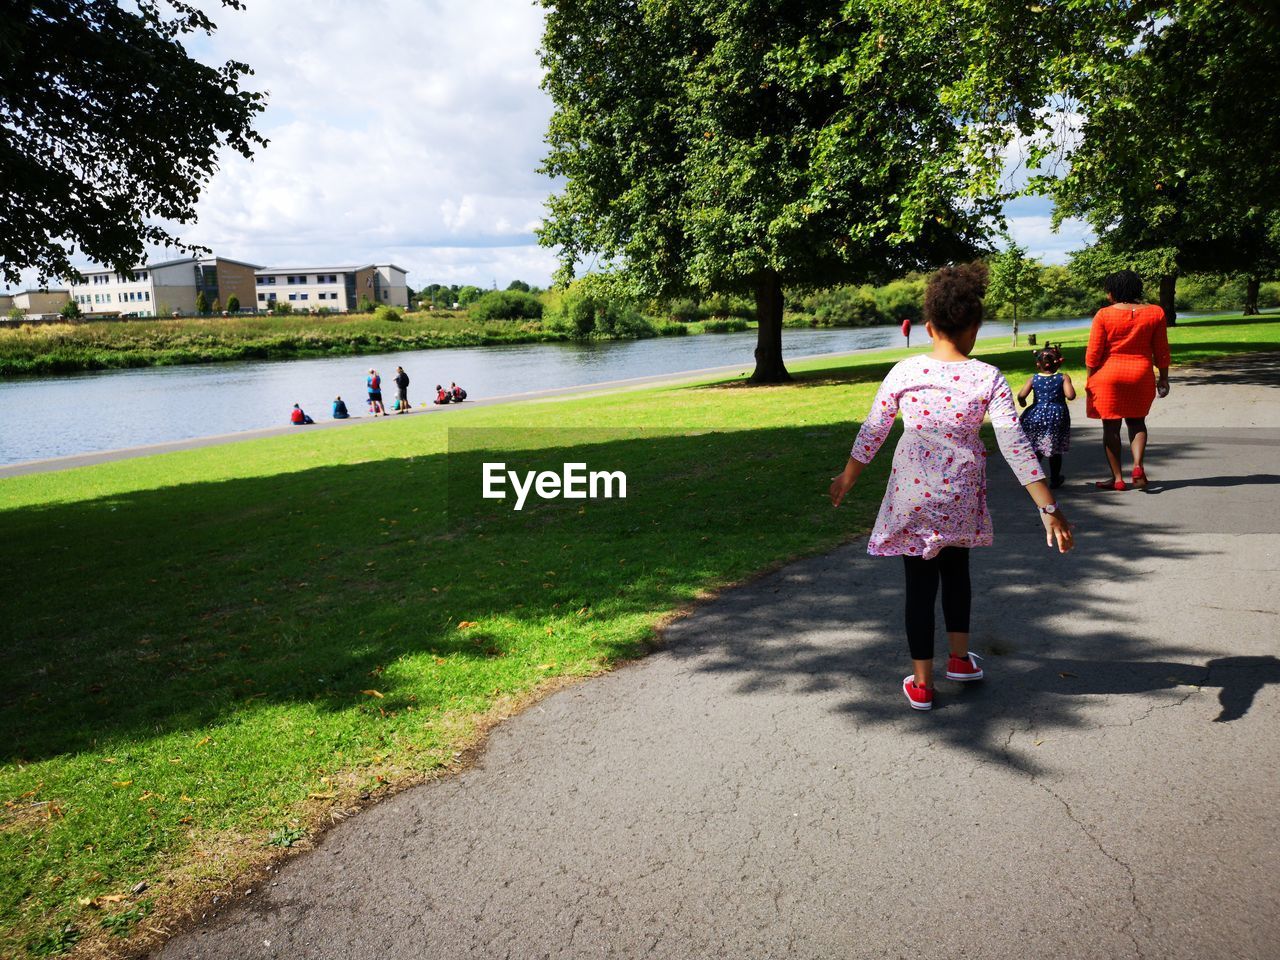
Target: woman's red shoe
<point>1139,478</point>
<point>1111,485</point>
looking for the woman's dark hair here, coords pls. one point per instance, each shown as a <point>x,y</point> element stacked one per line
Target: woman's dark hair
<point>953,298</point>
<point>1125,286</point>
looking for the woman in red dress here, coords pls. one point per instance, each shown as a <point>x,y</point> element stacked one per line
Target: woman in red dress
<point>1127,339</point>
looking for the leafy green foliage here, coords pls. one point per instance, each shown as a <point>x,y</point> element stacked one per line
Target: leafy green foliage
<point>70,310</point>
<point>286,837</point>
<point>387,314</point>
<point>55,942</point>
<point>506,305</point>
<point>1014,280</point>
<point>747,145</point>
<point>111,128</point>
<point>202,304</point>
<point>1174,165</point>
<point>365,304</point>
<point>233,304</point>
<point>519,285</point>
<point>121,924</point>
<point>598,306</point>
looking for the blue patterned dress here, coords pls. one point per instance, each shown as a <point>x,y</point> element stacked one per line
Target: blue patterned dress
<point>1047,422</point>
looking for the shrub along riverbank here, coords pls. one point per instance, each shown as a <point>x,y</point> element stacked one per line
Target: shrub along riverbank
<point>236,644</point>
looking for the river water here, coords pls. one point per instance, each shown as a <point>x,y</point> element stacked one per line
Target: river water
<point>82,413</point>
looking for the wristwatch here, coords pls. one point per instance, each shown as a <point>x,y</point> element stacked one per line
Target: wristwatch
<point>1049,508</point>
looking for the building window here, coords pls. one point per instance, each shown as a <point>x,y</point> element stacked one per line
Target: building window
<point>293,296</point>
<point>262,298</point>
<point>296,278</point>
<point>302,296</point>
<point>271,296</point>
<point>147,296</point>
<point>266,281</point>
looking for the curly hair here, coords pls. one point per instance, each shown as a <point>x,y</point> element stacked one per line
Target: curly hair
<point>1125,286</point>
<point>953,298</point>
<point>1050,358</point>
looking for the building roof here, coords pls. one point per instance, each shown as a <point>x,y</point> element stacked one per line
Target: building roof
<point>99,268</point>
<point>392,266</point>
<point>240,263</point>
<point>366,266</point>
<point>18,293</point>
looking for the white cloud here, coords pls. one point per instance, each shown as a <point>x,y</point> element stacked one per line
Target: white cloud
<point>403,130</point>
<point>1035,232</point>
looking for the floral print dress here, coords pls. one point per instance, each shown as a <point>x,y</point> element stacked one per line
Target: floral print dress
<point>937,493</point>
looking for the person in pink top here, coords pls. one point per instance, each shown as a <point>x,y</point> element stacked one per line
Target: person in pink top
<point>935,506</point>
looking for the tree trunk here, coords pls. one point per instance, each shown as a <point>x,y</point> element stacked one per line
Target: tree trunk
<point>769,365</point>
<point>1251,296</point>
<point>1168,292</point>
<point>1015,323</point>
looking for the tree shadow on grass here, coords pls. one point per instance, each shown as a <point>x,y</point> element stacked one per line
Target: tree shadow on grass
<point>165,610</point>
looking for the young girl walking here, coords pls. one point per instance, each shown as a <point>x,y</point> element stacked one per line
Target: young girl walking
<point>1047,422</point>
<point>935,507</point>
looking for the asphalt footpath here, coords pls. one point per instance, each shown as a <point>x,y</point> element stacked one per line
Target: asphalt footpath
<point>759,788</point>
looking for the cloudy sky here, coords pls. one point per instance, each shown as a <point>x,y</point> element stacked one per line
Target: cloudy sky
<point>408,131</point>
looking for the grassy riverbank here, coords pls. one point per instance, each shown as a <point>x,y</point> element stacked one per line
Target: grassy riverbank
<point>65,348</point>
<point>210,655</point>
<point>68,348</point>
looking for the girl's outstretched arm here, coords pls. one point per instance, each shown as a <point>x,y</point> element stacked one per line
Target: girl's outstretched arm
<point>1024,392</point>
<point>873,433</point>
<point>1068,388</point>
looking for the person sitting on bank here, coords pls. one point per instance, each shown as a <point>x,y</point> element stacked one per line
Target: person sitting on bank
<point>456,392</point>
<point>298,417</point>
<point>340,409</point>
<point>442,395</point>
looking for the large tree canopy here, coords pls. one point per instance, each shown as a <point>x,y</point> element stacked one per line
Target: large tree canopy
<point>747,145</point>
<point>107,126</point>
<point>1174,167</point>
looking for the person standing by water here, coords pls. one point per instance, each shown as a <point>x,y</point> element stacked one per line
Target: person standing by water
<point>935,505</point>
<point>402,390</point>
<point>1128,337</point>
<point>374,383</point>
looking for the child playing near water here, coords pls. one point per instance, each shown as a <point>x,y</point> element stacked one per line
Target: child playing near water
<point>1047,422</point>
<point>935,506</point>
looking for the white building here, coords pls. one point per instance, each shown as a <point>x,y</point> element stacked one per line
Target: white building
<point>162,289</point>
<point>339,289</point>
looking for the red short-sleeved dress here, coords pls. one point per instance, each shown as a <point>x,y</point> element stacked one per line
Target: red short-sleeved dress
<point>1124,344</point>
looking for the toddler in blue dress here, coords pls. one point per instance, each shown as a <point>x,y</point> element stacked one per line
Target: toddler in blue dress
<point>1047,422</point>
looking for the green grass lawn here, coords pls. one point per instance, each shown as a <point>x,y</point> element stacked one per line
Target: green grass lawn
<point>206,652</point>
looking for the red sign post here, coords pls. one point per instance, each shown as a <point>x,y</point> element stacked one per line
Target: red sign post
<point>906,330</point>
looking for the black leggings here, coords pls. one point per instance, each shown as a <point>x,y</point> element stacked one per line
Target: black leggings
<point>951,566</point>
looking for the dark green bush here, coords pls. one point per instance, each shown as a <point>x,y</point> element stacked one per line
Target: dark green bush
<point>506,305</point>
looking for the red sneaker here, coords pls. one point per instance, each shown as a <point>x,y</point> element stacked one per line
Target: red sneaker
<point>920,698</point>
<point>964,668</point>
